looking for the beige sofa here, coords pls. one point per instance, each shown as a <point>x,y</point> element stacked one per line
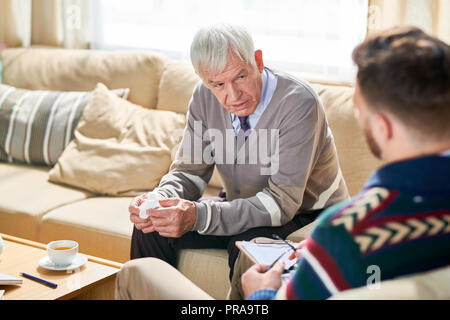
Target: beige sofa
<point>34,208</point>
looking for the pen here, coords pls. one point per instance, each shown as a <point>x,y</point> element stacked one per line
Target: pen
<point>47,283</point>
<point>276,260</point>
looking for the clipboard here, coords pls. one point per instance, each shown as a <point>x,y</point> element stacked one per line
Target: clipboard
<point>266,252</point>
<point>245,252</point>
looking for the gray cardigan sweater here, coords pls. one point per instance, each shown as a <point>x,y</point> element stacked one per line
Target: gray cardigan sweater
<point>288,163</point>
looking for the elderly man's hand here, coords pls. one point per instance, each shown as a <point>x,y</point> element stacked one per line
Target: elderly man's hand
<point>145,225</point>
<point>255,278</point>
<point>174,218</point>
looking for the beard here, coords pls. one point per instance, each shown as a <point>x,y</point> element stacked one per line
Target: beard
<point>373,146</point>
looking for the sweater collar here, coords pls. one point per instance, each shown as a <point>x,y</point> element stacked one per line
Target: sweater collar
<point>426,174</point>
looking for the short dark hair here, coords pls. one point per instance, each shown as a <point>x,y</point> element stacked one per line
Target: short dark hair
<point>407,72</point>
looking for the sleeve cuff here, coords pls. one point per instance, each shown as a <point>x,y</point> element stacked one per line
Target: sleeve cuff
<point>203,220</point>
<point>263,294</point>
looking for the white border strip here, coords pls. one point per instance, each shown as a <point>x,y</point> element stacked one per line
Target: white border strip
<point>272,207</point>
<point>208,217</point>
<point>325,196</point>
<point>30,124</point>
<point>49,127</point>
<point>12,121</point>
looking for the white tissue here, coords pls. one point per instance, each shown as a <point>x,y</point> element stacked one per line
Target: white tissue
<point>151,202</point>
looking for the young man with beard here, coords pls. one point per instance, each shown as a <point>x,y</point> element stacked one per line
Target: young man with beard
<point>399,224</point>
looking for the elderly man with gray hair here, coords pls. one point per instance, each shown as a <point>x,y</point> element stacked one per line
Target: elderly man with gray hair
<point>267,134</point>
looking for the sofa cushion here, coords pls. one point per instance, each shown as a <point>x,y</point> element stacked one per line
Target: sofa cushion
<point>177,84</point>
<point>36,126</point>
<point>81,70</point>
<point>26,196</point>
<point>216,179</point>
<point>356,160</point>
<point>119,147</point>
<point>100,225</point>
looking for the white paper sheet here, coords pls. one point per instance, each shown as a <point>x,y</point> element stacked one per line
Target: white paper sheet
<point>268,253</point>
<point>9,280</point>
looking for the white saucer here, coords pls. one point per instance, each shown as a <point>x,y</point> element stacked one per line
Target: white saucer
<point>79,261</point>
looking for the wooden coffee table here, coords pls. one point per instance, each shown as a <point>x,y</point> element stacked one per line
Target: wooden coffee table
<point>95,280</point>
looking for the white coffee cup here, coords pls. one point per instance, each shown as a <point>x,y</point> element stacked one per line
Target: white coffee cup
<point>62,252</point>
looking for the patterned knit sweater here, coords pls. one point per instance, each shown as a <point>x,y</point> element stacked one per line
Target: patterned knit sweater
<point>398,225</point>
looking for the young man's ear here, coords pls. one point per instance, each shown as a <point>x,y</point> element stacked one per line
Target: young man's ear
<point>259,60</point>
<point>383,128</point>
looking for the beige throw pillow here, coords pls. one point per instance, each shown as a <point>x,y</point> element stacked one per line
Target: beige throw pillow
<point>119,147</point>
<point>37,125</point>
<point>177,83</point>
<point>356,160</point>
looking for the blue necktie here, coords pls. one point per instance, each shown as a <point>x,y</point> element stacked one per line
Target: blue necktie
<point>244,124</point>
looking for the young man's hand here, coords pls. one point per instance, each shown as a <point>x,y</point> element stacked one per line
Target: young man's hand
<point>296,254</point>
<point>255,278</point>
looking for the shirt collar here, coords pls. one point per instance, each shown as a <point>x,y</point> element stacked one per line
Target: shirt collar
<point>263,101</point>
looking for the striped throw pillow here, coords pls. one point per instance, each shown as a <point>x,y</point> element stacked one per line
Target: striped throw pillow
<point>36,125</point>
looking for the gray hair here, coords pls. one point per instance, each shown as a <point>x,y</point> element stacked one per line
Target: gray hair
<point>212,45</point>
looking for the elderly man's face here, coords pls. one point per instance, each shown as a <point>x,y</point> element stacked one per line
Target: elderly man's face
<point>238,86</point>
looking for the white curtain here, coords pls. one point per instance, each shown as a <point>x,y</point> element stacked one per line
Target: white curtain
<point>70,23</point>
<point>312,38</point>
<point>432,16</point>
<point>60,23</point>
<point>15,25</point>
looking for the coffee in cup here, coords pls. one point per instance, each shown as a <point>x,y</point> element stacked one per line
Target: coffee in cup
<point>62,252</point>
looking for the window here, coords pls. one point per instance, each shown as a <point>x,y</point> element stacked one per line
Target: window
<point>312,38</point>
